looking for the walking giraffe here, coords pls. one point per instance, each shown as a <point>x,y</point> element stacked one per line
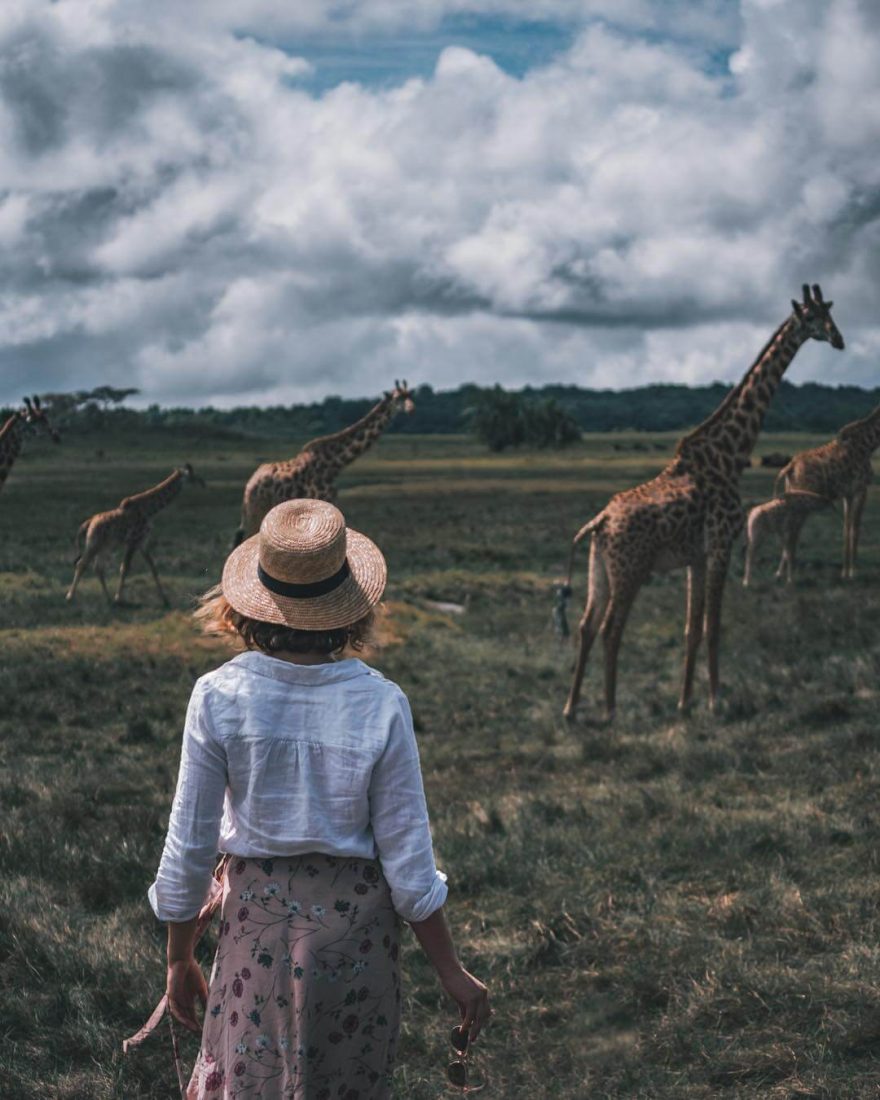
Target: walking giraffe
<point>128,525</point>
<point>313,472</point>
<point>12,433</point>
<point>839,469</point>
<point>689,515</point>
<point>783,516</point>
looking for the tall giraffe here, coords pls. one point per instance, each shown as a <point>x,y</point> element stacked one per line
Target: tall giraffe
<point>689,515</point>
<point>313,472</point>
<point>839,469</point>
<point>129,525</point>
<point>12,433</point>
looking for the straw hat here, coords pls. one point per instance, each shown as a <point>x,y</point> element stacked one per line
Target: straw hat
<point>305,569</point>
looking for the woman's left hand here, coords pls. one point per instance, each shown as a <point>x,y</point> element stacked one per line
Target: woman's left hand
<point>186,984</point>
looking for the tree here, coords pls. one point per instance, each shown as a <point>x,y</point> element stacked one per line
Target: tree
<point>498,419</point>
<point>549,425</point>
<point>109,395</point>
<point>503,419</point>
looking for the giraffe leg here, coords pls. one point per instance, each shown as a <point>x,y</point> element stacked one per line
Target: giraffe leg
<point>784,570</point>
<point>791,534</point>
<point>847,522</point>
<point>82,564</point>
<point>783,561</point>
<point>152,566</point>
<point>612,631</point>
<point>788,540</point>
<point>789,546</point>
<point>716,575</point>
<point>597,601</point>
<point>855,530</point>
<point>752,540</point>
<point>99,570</point>
<point>127,555</point>
<point>788,555</point>
<point>693,633</point>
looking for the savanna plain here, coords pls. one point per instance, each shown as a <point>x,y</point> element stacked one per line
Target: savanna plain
<point>671,907</point>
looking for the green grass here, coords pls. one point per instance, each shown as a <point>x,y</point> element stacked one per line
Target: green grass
<point>666,908</point>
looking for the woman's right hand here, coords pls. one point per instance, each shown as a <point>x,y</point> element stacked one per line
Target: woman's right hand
<point>185,985</point>
<point>472,998</point>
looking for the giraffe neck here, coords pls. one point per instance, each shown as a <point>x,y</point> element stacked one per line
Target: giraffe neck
<point>863,435</point>
<point>339,449</point>
<point>731,431</point>
<point>10,444</point>
<point>151,501</point>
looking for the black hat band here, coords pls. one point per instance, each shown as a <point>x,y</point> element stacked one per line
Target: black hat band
<point>303,591</point>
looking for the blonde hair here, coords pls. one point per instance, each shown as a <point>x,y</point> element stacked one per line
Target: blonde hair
<point>216,616</point>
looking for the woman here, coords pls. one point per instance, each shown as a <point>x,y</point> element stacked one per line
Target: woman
<point>303,769</point>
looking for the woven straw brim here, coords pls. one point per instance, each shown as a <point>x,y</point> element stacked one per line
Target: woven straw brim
<point>359,592</point>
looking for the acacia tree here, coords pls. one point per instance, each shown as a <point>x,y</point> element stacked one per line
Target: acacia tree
<point>85,407</point>
<point>110,395</point>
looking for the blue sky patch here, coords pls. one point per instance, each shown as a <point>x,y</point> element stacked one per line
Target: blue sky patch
<point>389,59</point>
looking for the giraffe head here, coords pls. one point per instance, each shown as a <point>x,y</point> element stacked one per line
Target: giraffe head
<point>401,397</point>
<point>813,317</point>
<point>189,474</point>
<point>33,414</point>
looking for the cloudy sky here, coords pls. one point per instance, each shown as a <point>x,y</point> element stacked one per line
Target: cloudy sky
<point>262,201</point>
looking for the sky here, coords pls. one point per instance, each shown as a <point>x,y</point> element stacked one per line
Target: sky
<point>262,202</point>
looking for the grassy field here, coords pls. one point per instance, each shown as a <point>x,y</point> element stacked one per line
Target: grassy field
<point>666,908</point>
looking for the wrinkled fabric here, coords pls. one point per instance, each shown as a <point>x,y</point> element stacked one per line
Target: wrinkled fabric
<point>304,998</point>
<point>280,759</point>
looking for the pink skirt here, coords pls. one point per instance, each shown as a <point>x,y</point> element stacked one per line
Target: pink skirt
<point>304,998</point>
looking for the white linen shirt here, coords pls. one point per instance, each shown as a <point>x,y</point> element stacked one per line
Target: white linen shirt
<point>280,759</point>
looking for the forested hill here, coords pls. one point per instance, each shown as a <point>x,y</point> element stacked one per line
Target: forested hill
<point>811,406</point>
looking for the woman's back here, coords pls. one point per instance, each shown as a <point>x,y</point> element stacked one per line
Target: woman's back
<point>301,742</point>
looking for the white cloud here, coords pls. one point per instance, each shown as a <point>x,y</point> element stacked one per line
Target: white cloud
<point>177,208</point>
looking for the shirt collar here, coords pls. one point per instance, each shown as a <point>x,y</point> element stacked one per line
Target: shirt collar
<point>276,669</point>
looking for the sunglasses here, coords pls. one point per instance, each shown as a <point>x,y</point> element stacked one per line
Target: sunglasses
<point>457,1071</point>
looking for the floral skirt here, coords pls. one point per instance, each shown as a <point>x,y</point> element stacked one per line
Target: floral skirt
<point>304,998</point>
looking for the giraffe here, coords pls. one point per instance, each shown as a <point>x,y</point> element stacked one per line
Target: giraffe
<point>839,469</point>
<point>129,525</point>
<point>783,516</point>
<point>12,433</point>
<point>313,472</point>
<point>687,516</point>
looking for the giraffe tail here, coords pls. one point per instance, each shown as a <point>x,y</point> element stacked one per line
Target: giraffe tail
<point>781,476</point>
<point>80,536</point>
<point>588,529</point>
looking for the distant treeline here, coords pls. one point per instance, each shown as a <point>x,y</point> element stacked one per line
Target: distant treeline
<point>808,407</point>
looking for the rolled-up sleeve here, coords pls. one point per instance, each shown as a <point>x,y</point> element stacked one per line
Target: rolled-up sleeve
<point>399,816</point>
<point>184,878</point>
